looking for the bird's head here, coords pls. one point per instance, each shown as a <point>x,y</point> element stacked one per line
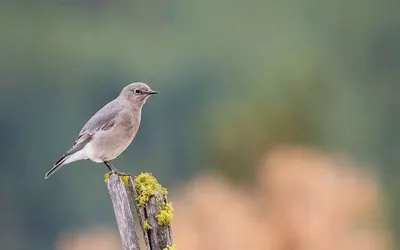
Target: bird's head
<point>137,93</point>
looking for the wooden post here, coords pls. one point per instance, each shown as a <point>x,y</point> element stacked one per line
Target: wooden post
<point>154,211</point>
<point>123,212</point>
<point>160,235</point>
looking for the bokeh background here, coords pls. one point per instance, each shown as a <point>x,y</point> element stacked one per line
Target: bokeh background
<point>276,126</point>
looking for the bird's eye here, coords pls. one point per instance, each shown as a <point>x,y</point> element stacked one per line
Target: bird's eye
<point>138,91</point>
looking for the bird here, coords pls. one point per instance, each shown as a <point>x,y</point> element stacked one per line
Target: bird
<point>110,131</point>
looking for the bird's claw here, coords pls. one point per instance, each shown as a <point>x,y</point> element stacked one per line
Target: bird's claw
<point>124,174</point>
<point>120,173</point>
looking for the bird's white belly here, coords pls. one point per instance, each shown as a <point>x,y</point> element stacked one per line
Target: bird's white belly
<point>79,155</point>
<point>91,153</point>
<point>105,148</point>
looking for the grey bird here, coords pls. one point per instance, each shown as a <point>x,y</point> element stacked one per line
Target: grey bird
<point>110,131</point>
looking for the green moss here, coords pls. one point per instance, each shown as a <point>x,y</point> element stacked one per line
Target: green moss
<point>164,217</point>
<point>173,247</point>
<point>146,185</point>
<point>147,225</point>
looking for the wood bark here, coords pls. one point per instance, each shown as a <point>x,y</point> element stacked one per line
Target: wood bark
<point>123,212</point>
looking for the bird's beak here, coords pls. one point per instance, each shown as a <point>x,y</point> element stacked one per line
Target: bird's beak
<point>152,92</point>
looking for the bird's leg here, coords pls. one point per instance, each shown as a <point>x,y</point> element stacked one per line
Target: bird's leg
<point>114,170</point>
<point>109,166</point>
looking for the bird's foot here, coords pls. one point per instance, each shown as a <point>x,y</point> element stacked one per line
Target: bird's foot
<point>115,171</point>
<point>123,176</point>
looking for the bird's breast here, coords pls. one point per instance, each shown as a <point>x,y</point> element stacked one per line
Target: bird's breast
<point>128,125</point>
<point>107,145</point>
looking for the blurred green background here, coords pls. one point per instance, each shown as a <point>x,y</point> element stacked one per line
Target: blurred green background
<point>235,79</point>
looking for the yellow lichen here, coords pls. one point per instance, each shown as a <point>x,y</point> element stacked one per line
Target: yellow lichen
<point>125,179</point>
<point>147,225</point>
<point>146,185</point>
<point>173,247</point>
<point>164,217</point>
<point>107,177</point>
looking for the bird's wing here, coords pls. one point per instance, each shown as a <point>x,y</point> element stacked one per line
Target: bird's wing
<point>103,120</point>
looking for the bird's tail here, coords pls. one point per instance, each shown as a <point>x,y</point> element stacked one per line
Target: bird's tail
<point>56,166</point>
